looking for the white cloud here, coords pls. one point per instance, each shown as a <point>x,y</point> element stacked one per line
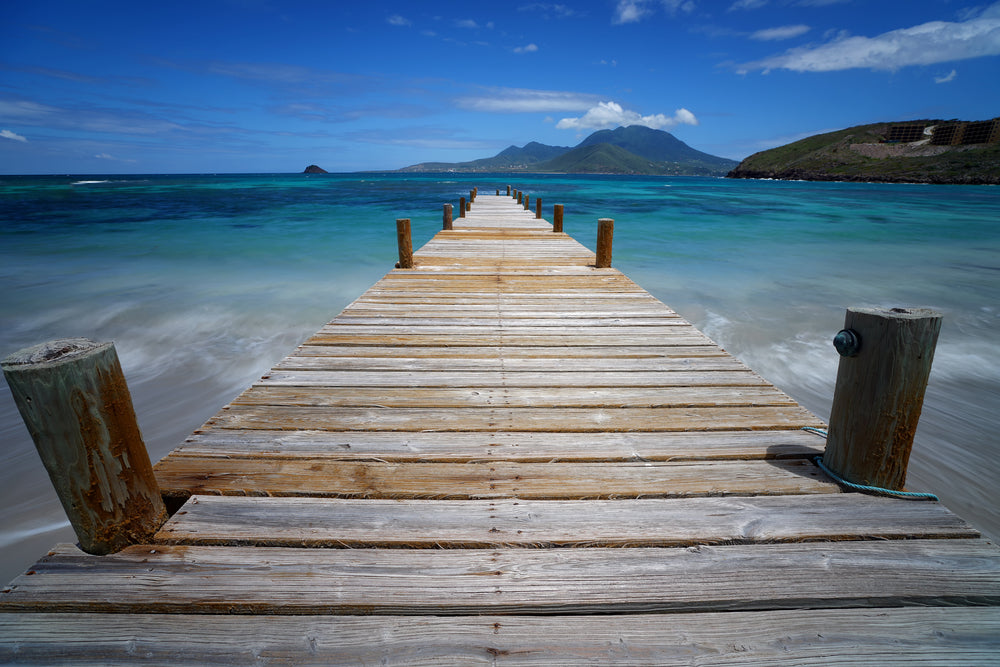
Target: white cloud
<point>633,11</point>
<point>466,23</point>
<point>924,44</point>
<point>945,79</point>
<point>401,21</point>
<point>779,33</point>
<point>7,134</point>
<point>530,48</point>
<point>523,100</point>
<point>611,114</point>
<point>747,4</point>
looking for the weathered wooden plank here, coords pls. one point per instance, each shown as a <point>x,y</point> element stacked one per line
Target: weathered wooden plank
<point>523,397</point>
<point>502,418</point>
<point>565,353</point>
<point>514,364</point>
<point>507,446</point>
<point>190,475</point>
<point>507,340</point>
<point>568,378</point>
<point>278,580</point>
<point>908,636</point>
<point>490,524</point>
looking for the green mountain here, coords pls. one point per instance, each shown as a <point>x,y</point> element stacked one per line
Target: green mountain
<point>627,150</point>
<point>919,151</point>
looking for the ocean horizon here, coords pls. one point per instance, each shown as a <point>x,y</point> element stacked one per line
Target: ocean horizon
<point>204,281</point>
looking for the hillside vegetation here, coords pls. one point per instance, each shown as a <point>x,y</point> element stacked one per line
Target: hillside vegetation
<point>863,153</point>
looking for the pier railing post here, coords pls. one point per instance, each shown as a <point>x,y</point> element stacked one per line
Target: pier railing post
<point>527,202</point>
<point>557,218</point>
<point>538,208</point>
<point>520,197</point>
<point>885,362</point>
<point>508,190</point>
<point>447,220</point>
<point>605,232</point>
<point>76,404</point>
<point>461,207</point>
<point>405,243</point>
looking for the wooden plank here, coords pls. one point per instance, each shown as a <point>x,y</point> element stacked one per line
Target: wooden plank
<point>507,446</point>
<point>515,364</point>
<point>524,397</point>
<point>278,580</point>
<point>565,353</point>
<point>187,475</point>
<point>904,637</point>
<point>567,378</point>
<point>507,340</point>
<point>482,524</point>
<point>503,418</point>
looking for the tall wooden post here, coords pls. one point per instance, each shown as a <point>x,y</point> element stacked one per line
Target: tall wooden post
<point>405,243</point>
<point>508,190</point>
<point>605,231</point>
<point>527,202</point>
<point>461,207</point>
<point>447,221</point>
<point>472,197</point>
<point>498,192</point>
<point>538,208</point>
<point>520,197</point>
<point>74,400</point>
<point>557,218</point>
<point>885,362</point>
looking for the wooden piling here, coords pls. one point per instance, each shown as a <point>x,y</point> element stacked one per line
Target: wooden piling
<point>461,207</point>
<point>557,218</point>
<point>76,404</point>
<point>605,231</point>
<point>538,208</point>
<point>885,362</point>
<point>405,243</point>
<point>520,197</point>
<point>447,222</point>
<point>508,190</point>
<point>527,202</point>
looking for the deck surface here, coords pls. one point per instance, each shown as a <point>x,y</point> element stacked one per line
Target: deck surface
<point>507,456</point>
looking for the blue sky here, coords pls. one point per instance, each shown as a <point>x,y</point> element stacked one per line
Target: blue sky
<point>272,86</point>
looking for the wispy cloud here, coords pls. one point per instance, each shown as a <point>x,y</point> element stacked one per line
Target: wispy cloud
<point>7,134</point>
<point>924,44</point>
<point>398,20</point>
<point>779,33</point>
<point>612,114</point>
<point>548,10</point>
<point>523,100</point>
<point>948,77</point>
<point>633,11</point>
<point>530,48</point>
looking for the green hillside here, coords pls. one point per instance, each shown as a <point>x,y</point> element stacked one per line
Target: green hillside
<point>865,153</point>
<point>631,150</point>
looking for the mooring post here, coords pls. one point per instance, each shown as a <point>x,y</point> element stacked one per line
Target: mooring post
<point>447,217</point>
<point>885,362</point>
<point>538,208</point>
<point>557,218</point>
<point>472,197</point>
<point>461,207</point>
<point>498,192</point>
<point>527,202</point>
<point>405,243</point>
<point>76,404</point>
<point>605,231</point>
<point>520,197</point>
<point>508,190</point>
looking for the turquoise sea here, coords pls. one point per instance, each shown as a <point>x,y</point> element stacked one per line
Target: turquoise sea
<point>205,281</point>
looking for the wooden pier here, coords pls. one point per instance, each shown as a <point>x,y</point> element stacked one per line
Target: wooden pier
<point>505,455</point>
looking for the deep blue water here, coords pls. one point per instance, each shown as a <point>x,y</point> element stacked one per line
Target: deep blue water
<point>203,282</point>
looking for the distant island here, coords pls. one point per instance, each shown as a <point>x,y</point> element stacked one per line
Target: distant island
<point>633,150</point>
<point>313,169</point>
<point>917,151</point>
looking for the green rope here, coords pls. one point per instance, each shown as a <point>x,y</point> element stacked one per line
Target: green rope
<point>906,495</point>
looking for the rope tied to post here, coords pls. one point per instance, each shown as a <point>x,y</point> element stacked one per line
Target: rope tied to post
<point>864,488</point>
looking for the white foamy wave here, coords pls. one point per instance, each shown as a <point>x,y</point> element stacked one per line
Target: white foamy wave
<point>88,182</point>
<point>9,537</point>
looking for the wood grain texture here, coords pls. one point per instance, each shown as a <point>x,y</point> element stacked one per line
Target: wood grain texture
<point>906,636</point>
<point>278,580</point>
<point>482,524</point>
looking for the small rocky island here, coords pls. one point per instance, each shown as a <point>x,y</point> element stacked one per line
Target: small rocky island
<point>313,169</point>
